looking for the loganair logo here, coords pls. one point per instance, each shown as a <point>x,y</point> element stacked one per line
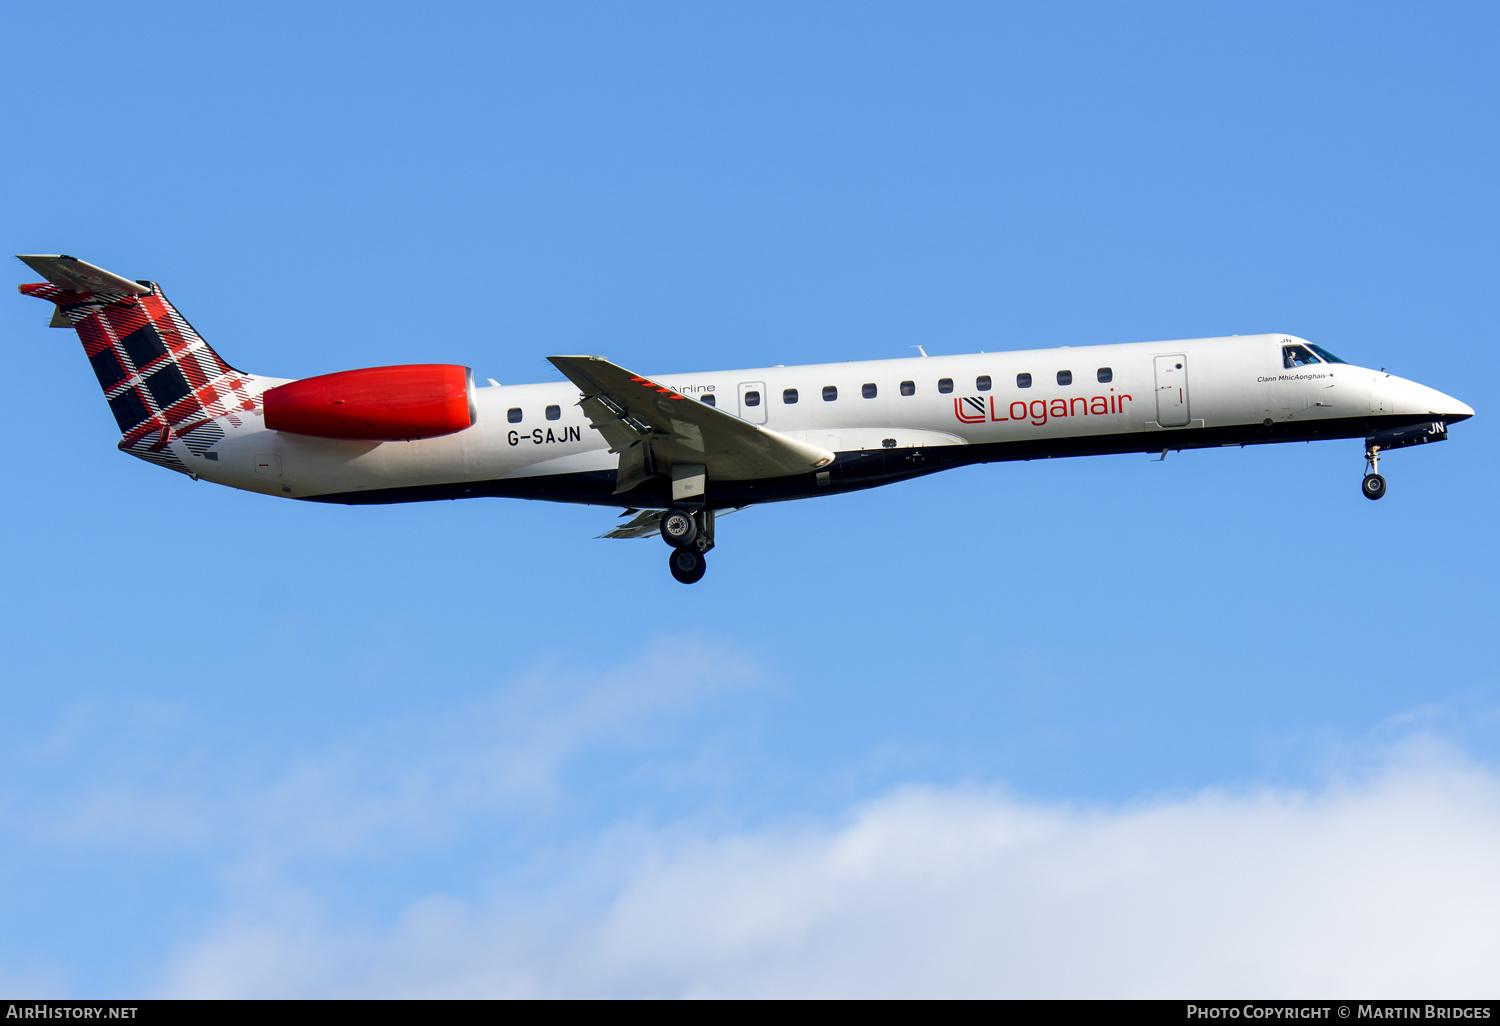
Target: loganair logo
<point>974,409</point>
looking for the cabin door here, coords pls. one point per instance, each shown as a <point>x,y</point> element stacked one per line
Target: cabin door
<point>1171,391</point>
<point>753,401</point>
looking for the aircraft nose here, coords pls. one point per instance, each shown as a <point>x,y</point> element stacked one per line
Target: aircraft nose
<point>1411,397</point>
<point>1451,409</point>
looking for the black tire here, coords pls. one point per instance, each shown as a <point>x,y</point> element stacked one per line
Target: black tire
<point>1374,486</point>
<point>688,565</point>
<point>679,528</point>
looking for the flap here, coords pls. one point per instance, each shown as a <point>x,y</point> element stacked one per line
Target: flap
<point>648,523</point>
<point>643,526</point>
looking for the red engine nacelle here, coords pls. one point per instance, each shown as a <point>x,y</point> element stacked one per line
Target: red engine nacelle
<point>389,404</point>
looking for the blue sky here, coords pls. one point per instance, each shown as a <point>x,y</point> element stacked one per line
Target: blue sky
<point>1084,727</point>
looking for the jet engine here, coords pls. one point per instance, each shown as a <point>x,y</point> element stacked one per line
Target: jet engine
<point>377,403</point>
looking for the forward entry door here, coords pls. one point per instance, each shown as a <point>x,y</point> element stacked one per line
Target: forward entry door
<point>1171,391</point>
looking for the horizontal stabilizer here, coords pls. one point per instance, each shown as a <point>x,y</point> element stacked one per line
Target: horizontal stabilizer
<point>76,276</point>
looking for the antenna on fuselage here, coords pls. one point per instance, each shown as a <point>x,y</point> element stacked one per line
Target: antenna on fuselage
<point>920,350</point>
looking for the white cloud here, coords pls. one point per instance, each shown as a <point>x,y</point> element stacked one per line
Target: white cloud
<point>1387,886</point>
<point>409,783</point>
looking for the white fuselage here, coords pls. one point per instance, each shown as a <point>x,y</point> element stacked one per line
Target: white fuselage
<point>1117,398</point>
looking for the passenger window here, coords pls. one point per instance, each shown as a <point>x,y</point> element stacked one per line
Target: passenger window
<point>1296,356</point>
<point>867,390</point>
<point>1064,377</point>
<point>709,399</point>
<point>982,382</point>
<point>945,385</point>
<point>789,397</point>
<point>1106,375</point>
<point>908,388</point>
<point>752,398</point>
<point>554,412</point>
<point>513,415</point>
<point>1023,380</point>
<point>830,393</point>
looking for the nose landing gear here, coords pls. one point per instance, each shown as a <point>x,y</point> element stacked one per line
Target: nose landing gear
<point>1373,486</point>
<point>690,535</point>
<point>1396,438</point>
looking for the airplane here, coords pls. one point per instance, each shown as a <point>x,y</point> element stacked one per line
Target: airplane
<point>675,450</point>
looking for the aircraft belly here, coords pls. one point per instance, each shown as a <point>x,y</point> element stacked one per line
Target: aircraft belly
<point>281,463</point>
<point>855,439</point>
<point>595,460</point>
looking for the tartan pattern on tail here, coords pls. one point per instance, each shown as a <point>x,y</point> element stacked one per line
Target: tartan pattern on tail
<point>162,381</point>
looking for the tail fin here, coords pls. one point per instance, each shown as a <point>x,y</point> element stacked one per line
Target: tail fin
<point>164,384</point>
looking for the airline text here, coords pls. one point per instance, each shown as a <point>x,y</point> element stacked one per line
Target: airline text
<point>974,409</point>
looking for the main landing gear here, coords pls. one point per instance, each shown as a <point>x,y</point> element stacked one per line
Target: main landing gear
<point>688,565</point>
<point>691,534</point>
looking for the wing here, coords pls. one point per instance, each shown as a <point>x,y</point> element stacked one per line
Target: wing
<point>648,523</point>
<point>642,526</point>
<point>655,429</point>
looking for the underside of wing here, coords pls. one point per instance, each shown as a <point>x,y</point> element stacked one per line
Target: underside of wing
<point>661,433</point>
<point>647,523</point>
<point>643,525</point>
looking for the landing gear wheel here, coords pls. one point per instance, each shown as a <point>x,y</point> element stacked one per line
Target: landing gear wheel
<point>1374,486</point>
<point>679,529</point>
<point>688,565</point>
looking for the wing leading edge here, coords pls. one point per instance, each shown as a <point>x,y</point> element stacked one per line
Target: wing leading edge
<point>661,433</point>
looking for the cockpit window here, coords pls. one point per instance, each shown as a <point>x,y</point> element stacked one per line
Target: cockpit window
<point>1325,354</point>
<point>1297,356</point>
